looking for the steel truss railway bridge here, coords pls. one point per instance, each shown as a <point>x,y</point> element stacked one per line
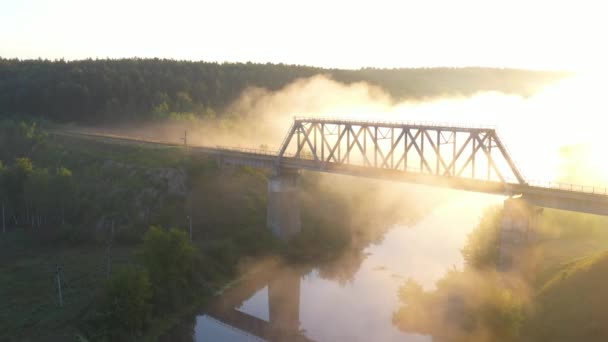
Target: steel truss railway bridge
<point>471,158</point>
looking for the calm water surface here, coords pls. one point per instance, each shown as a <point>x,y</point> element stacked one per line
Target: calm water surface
<point>325,305</point>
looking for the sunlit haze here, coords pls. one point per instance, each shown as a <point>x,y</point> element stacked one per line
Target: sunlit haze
<point>344,34</point>
<point>564,114</point>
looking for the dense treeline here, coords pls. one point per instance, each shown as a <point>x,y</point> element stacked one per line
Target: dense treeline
<point>105,90</point>
<point>31,195</point>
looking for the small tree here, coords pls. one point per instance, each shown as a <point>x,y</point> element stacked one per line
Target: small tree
<point>3,195</point>
<point>171,260</point>
<point>64,188</point>
<point>14,182</point>
<point>39,194</point>
<point>125,305</point>
<point>481,248</point>
<point>183,102</point>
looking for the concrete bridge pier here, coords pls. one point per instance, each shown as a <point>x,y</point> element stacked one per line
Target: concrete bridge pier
<point>283,211</point>
<point>518,232</point>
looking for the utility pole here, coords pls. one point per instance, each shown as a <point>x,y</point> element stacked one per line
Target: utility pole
<point>58,276</point>
<point>3,221</point>
<point>108,252</point>
<point>185,138</point>
<point>190,226</point>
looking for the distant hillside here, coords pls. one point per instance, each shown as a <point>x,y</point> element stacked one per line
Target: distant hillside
<point>93,91</point>
<point>572,305</point>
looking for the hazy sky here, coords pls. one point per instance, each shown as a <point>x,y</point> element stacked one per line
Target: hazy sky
<point>348,34</point>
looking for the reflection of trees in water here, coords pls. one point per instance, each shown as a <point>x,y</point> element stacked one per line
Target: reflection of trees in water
<point>473,304</point>
<point>183,332</point>
<point>343,269</point>
<point>346,214</point>
<point>466,306</point>
<point>341,217</point>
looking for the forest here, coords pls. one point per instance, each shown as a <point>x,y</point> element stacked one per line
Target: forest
<point>133,90</point>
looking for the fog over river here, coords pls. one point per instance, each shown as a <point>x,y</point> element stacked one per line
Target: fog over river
<point>316,307</point>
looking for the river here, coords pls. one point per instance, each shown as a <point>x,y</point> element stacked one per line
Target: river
<point>316,304</point>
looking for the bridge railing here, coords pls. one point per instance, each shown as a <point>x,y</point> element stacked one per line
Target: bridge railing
<point>329,119</point>
<point>259,151</point>
<point>590,189</point>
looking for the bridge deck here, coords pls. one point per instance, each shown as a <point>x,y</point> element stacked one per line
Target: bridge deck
<point>555,195</point>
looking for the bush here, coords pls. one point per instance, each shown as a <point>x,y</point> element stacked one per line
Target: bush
<point>469,305</point>
<point>126,303</point>
<point>72,235</point>
<point>128,235</point>
<point>466,306</point>
<point>481,248</point>
<point>171,261</point>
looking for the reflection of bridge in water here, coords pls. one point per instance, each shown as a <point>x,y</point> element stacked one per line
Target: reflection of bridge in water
<point>283,322</point>
<point>458,157</point>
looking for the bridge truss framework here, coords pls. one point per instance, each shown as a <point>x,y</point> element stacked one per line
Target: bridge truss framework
<point>438,150</point>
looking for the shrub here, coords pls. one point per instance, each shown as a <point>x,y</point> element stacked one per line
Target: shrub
<point>465,306</point>
<point>72,235</point>
<point>171,261</point>
<point>481,248</point>
<point>126,303</point>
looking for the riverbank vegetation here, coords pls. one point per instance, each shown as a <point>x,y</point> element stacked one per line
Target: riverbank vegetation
<point>558,295</point>
<point>166,278</point>
<point>470,304</point>
<point>571,305</point>
<point>90,226</point>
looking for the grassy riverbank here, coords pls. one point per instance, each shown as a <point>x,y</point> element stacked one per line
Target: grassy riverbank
<point>28,285</point>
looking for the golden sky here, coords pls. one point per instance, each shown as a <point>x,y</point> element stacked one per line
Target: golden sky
<point>346,34</point>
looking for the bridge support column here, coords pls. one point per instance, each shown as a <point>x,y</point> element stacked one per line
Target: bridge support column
<point>283,212</point>
<point>518,232</point>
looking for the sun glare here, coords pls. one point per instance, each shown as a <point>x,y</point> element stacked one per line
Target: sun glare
<point>535,128</point>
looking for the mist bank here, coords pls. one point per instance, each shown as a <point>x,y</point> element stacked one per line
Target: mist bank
<point>562,113</point>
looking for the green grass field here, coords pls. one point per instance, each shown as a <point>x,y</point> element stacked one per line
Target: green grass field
<point>30,308</point>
